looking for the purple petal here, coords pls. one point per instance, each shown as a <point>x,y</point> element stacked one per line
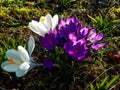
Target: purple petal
<point>61,23</point>
<point>49,41</point>
<point>99,37</point>
<point>98,46</point>
<point>92,35</point>
<point>72,36</point>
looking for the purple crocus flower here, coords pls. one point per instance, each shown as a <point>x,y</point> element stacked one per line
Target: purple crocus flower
<point>71,25</point>
<point>63,33</point>
<point>83,32</point>
<point>48,63</point>
<point>76,49</point>
<point>95,38</point>
<point>49,41</point>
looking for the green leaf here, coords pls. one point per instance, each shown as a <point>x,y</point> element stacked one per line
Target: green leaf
<point>97,86</point>
<point>111,82</point>
<point>91,86</point>
<point>100,20</point>
<point>5,44</point>
<point>103,82</point>
<point>116,21</point>
<point>93,19</point>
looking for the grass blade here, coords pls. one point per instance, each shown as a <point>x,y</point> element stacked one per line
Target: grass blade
<point>111,82</point>
<point>103,82</point>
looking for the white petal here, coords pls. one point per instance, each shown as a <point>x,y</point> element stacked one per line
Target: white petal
<point>9,67</point>
<point>20,73</point>
<point>24,66</point>
<point>22,70</point>
<point>54,21</point>
<point>42,28</point>
<point>31,45</point>
<point>13,54</point>
<point>48,22</point>
<point>23,54</point>
<point>37,27</point>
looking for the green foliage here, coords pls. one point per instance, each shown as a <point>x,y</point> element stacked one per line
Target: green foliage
<point>114,79</point>
<point>104,24</point>
<point>9,43</point>
<point>105,84</point>
<point>9,3</point>
<point>65,3</point>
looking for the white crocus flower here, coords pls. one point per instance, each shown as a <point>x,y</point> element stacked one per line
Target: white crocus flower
<point>44,25</point>
<point>20,61</point>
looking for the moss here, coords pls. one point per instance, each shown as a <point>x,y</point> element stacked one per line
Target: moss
<point>14,16</point>
<point>117,10</point>
<point>22,13</point>
<point>30,4</point>
<point>4,12</point>
<point>114,13</point>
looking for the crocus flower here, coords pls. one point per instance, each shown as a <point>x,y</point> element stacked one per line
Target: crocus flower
<point>95,38</point>
<point>81,33</point>
<point>45,24</point>
<point>20,61</point>
<point>48,41</point>
<point>76,50</point>
<point>65,28</point>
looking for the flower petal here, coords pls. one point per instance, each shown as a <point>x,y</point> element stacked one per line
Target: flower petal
<point>23,69</point>
<point>23,54</point>
<point>31,45</point>
<point>54,21</point>
<point>98,46</point>
<point>99,36</point>
<point>48,22</point>
<point>20,73</point>
<point>24,66</point>
<point>13,54</point>
<point>38,27</point>
<point>6,66</point>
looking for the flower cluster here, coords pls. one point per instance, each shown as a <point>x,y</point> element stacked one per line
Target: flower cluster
<point>75,39</point>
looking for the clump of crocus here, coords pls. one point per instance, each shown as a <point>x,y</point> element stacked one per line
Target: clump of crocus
<point>78,39</point>
<point>20,61</point>
<point>75,38</point>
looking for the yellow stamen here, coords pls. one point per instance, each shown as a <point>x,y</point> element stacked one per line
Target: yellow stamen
<point>11,61</point>
<point>42,19</point>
